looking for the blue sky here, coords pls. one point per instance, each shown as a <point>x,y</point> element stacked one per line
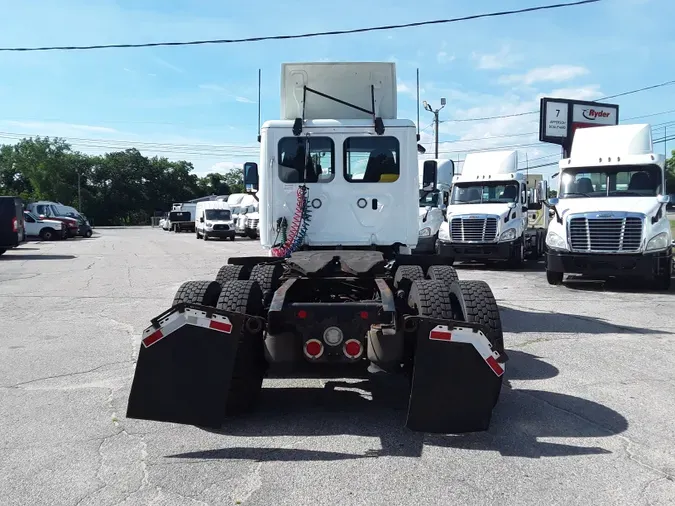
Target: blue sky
<point>200,103</point>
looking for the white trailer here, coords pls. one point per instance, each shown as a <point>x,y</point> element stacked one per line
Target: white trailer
<point>495,212</point>
<point>610,213</point>
<point>435,186</point>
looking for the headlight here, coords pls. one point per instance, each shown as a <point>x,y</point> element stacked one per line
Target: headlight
<point>659,241</point>
<point>444,232</point>
<point>425,232</point>
<point>209,224</point>
<point>508,235</point>
<point>553,240</point>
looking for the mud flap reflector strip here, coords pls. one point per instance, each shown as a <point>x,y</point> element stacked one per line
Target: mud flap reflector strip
<point>476,338</point>
<point>189,316</point>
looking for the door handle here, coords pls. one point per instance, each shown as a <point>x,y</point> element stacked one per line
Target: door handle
<point>374,204</point>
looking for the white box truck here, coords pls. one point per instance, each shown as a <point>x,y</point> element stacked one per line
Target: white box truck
<point>495,212</point>
<point>214,219</point>
<point>610,213</point>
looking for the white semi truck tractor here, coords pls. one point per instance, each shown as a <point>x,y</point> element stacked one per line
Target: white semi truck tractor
<point>495,212</point>
<point>435,187</point>
<point>610,213</point>
<point>340,289</point>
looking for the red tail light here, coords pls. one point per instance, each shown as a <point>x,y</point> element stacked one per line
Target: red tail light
<point>15,224</point>
<point>302,314</point>
<point>353,349</point>
<point>313,348</point>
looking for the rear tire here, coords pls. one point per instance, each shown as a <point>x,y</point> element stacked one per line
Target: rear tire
<point>47,234</point>
<point>245,296</point>
<point>204,293</point>
<point>444,273</point>
<point>267,276</point>
<point>474,302</point>
<point>406,275</point>
<point>231,273</point>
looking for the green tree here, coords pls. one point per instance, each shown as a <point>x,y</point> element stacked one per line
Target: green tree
<point>234,178</point>
<point>670,173</point>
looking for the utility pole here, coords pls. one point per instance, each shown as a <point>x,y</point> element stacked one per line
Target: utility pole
<point>79,192</point>
<point>435,113</point>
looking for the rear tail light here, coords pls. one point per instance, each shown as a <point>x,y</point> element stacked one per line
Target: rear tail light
<point>353,349</point>
<point>313,348</point>
<point>15,225</point>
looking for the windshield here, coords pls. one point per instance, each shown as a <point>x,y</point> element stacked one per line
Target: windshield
<point>485,193</point>
<point>218,214</point>
<point>617,181</point>
<point>428,198</point>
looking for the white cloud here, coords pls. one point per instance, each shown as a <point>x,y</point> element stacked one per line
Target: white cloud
<point>56,128</point>
<point>444,57</point>
<point>492,61</point>
<point>224,91</point>
<point>245,100</point>
<point>168,65</point>
<point>553,73</point>
<point>591,92</point>
<point>225,167</point>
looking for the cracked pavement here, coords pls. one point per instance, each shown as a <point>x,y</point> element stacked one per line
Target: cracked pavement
<point>585,416</point>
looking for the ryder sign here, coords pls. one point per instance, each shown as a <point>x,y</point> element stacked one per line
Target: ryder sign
<point>560,117</point>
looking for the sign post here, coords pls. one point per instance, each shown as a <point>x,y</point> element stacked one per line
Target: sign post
<point>559,118</point>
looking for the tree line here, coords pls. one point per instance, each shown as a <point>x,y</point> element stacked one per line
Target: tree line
<point>117,188</point>
<point>122,187</point>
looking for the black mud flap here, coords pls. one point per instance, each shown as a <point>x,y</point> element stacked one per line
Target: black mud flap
<point>456,376</point>
<point>185,365</point>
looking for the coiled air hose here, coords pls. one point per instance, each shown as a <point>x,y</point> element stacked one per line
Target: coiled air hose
<point>299,225</point>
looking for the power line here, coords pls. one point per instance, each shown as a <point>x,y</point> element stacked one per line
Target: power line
<point>305,35</point>
<point>537,132</point>
<point>623,94</point>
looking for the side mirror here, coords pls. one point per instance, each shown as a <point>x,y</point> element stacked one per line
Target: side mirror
<point>421,149</point>
<point>553,201</point>
<point>251,176</point>
<point>542,190</point>
<point>429,174</point>
<point>201,219</point>
<point>663,199</point>
<point>524,209</point>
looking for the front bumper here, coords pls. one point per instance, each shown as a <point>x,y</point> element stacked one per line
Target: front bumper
<point>219,233</point>
<point>639,265</point>
<point>488,251</point>
<point>425,245</point>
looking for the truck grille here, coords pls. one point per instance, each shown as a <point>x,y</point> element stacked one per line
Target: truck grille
<point>252,223</point>
<point>606,234</point>
<point>221,227</point>
<point>473,229</point>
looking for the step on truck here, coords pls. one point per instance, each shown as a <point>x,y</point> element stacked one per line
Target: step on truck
<point>495,212</point>
<point>339,289</point>
<point>435,186</point>
<point>610,213</point>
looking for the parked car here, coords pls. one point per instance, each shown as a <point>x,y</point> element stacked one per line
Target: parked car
<point>12,229</point>
<point>52,211</point>
<point>47,229</point>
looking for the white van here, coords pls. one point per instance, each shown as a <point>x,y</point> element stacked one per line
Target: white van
<point>214,219</point>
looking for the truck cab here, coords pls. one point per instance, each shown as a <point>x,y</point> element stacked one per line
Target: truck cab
<point>610,214</point>
<point>435,185</point>
<point>490,213</point>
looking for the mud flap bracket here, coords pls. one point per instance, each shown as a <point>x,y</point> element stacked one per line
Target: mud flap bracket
<point>185,364</point>
<point>456,379</point>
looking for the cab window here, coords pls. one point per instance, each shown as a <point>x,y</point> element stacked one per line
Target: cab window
<point>371,159</point>
<point>306,159</point>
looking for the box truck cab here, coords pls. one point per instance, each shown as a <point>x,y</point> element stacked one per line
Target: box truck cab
<point>435,185</point>
<point>214,219</point>
<point>610,214</point>
<point>495,211</point>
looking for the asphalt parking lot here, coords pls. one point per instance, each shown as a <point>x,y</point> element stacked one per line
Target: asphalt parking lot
<point>585,417</point>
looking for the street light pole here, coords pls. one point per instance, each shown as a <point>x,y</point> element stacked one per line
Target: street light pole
<point>79,192</point>
<point>435,113</point>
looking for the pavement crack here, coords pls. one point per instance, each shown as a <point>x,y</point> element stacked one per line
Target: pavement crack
<point>66,375</point>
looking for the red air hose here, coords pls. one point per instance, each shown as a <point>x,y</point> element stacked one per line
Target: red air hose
<point>282,251</point>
